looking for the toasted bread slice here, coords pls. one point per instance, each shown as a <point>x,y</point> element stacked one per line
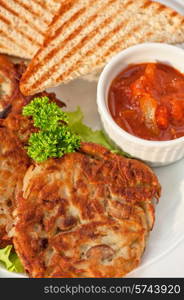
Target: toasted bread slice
<point>23,25</point>
<point>85,34</point>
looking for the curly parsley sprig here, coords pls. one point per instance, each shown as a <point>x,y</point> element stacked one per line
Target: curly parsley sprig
<point>46,115</point>
<point>55,137</point>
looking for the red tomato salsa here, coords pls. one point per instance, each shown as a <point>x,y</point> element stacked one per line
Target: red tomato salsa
<point>147,100</point>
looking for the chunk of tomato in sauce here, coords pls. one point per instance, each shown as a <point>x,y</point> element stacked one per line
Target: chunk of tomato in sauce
<point>147,100</point>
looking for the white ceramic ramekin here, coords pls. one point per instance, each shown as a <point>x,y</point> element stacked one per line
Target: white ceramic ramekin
<point>153,152</point>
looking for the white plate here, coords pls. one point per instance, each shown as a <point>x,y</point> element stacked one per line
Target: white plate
<point>168,230</point>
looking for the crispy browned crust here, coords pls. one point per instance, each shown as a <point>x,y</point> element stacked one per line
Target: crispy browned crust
<point>8,74</point>
<point>11,104</point>
<point>15,130</point>
<point>13,165</point>
<point>5,240</point>
<point>87,214</point>
<point>15,100</point>
<point>21,126</point>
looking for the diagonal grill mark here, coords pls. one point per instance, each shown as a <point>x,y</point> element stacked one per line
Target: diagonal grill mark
<point>34,12</point>
<point>5,49</point>
<point>146,4</point>
<point>112,48</point>
<point>149,34</point>
<point>14,41</point>
<point>23,33</point>
<point>65,24</point>
<point>84,41</point>
<point>108,36</point>
<point>161,8</point>
<point>102,41</point>
<point>63,9</point>
<point>3,46</point>
<point>77,47</point>
<point>29,9</point>
<point>10,10</point>
<point>60,78</point>
<point>39,64</point>
<point>59,47</point>
<point>3,19</point>
<point>41,3</point>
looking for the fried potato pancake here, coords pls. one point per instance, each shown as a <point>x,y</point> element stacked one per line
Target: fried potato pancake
<point>13,166</point>
<point>15,130</point>
<point>87,214</point>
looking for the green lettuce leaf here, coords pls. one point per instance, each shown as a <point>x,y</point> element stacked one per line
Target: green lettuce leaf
<point>10,260</point>
<point>75,122</point>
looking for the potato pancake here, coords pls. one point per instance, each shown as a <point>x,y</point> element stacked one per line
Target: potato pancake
<point>87,214</point>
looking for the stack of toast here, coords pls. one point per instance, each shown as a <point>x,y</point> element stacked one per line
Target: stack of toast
<point>66,39</point>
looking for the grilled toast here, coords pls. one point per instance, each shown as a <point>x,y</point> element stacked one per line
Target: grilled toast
<point>23,25</point>
<point>85,34</point>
